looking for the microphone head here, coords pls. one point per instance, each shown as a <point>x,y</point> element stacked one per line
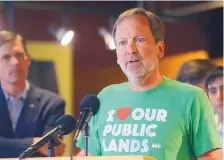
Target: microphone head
<point>67,124</point>
<point>90,102</point>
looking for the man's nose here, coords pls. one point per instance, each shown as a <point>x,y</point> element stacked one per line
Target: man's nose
<point>220,94</point>
<point>132,48</point>
<point>13,60</point>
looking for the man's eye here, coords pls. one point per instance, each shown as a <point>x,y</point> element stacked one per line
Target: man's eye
<point>6,57</point>
<point>19,55</point>
<point>122,43</point>
<point>139,39</point>
<point>212,91</point>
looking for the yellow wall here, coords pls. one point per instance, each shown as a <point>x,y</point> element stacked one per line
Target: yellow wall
<point>218,61</point>
<point>170,65</point>
<point>62,59</point>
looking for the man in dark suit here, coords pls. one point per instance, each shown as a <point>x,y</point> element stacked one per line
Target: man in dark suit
<point>26,112</point>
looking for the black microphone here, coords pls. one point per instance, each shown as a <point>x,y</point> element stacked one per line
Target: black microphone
<point>64,125</point>
<point>89,106</point>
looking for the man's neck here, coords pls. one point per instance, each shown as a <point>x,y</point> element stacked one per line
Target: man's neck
<point>148,83</point>
<point>13,90</point>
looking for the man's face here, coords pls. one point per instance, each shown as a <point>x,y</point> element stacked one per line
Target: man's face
<point>137,51</point>
<point>215,93</point>
<point>14,62</point>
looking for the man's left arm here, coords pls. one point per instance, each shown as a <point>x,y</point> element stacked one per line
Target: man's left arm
<point>215,154</point>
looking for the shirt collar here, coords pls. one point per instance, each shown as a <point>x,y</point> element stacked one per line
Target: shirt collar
<point>22,95</point>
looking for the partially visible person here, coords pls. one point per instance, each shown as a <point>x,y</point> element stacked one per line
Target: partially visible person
<point>214,84</point>
<point>195,71</point>
<point>26,111</point>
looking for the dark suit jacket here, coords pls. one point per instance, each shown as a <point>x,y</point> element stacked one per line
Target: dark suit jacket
<point>39,113</point>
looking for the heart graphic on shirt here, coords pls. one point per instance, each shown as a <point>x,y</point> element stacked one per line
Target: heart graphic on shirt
<point>123,113</point>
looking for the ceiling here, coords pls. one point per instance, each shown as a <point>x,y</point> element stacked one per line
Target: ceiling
<point>115,7</point>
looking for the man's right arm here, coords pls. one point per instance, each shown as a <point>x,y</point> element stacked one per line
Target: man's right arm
<point>82,153</point>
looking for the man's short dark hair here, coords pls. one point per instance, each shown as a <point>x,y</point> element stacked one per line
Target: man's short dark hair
<point>194,71</point>
<point>213,74</point>
<point>155,23</point>
<point>7,36</point>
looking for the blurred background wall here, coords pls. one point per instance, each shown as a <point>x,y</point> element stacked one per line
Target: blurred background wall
<point>193,30</point>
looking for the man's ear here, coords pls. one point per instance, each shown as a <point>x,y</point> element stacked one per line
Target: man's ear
<point>29,59</point>
<point>117,61</point>
<point>160,48</point>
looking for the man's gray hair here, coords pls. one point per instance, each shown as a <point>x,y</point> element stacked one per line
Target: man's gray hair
<point>155,23</point>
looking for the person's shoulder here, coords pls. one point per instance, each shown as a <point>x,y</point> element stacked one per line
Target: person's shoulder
<point>114,88</point>
<point>46,94</point>
<point>183,88</point>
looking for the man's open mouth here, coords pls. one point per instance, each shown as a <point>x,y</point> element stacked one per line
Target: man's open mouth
<point>134,61</point>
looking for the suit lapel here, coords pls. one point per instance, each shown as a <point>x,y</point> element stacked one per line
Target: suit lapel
<point>5,122</point>
<point>29,112</point>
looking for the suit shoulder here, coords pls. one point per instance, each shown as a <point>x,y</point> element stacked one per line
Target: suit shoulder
<point>48,94</point>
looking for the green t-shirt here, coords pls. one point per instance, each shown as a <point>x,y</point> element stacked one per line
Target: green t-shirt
<point>173,121</point>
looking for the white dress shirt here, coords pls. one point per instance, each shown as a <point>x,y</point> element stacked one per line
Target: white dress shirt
<point>15,105</point>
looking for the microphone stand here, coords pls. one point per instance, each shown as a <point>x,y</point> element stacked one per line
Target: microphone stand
<point>51,144</point>
<point>83,130</point>
<point>86,136</point>
<point>51,152</point>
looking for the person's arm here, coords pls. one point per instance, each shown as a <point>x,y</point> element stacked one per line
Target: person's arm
<point>10,148</point>
<point>204,135</point>
<point>16,143</point>
<point>215,154</point>
<point>19,145</point>
<point>82,153</point>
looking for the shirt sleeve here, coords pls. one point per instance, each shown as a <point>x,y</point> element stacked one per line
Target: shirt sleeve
<point>204,134</point>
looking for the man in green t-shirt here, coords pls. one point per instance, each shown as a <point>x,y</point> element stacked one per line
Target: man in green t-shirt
<point>150,114</point>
